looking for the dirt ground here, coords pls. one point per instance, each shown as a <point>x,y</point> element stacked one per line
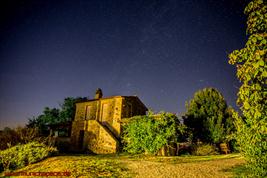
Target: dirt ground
<point>218,166</point>
<point>205,169</point>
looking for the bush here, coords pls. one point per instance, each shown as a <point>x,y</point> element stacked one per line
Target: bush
<point>22,155</point>
<point>204,150</point>
<point>252,144</point>
<point>150,133</point>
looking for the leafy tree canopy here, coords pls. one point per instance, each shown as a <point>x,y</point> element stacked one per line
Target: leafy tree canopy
<point>208,116</point>
<point>252,96</point>
<point>50,116</point>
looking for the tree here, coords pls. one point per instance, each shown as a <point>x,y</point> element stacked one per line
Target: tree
<point>52,116</point>
<point>68,108</point>
<point>208,116</point>
<point>49,116</point>
<point>252,96</point>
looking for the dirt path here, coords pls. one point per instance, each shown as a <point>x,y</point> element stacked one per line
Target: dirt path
<point>205,169</point>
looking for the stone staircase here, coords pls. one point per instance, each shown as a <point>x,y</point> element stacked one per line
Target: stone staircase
<point>103,140</point>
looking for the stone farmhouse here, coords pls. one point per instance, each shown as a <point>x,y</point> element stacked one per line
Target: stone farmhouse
<point>97,123</point>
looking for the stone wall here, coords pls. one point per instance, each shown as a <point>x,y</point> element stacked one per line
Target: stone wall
<point>101,140</point>
<point>97,123</point>
<point>77,126</point>
<point>97,138</point>
<point>132,106</point>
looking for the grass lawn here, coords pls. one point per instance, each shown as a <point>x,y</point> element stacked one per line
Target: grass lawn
<point>140,166</point>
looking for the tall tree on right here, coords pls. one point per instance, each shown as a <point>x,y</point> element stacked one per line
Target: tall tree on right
<point>252,96</point>
<point>209,117</point>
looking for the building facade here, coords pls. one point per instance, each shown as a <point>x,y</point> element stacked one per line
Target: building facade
<point>97,123</point>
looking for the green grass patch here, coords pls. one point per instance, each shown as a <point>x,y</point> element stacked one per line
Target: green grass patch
<point>177,159</point>
<point>241,171</point>
<point>80,166</point>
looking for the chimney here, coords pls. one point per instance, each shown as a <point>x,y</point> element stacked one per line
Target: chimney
<point>98,94</point>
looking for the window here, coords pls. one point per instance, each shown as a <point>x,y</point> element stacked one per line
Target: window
<point>88,112</point>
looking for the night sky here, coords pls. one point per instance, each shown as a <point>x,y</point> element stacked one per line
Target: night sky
<point>161,51</point>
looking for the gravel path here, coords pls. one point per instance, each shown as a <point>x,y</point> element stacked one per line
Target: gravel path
<point>205,169</point>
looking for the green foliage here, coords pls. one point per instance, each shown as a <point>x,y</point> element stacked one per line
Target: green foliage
<point>67,111</point>
<point>52,116</point>
<point>251,64</point>
<point>204,150</point>
<point>209,117</point>
<point>257,18</point>
<point>22,155</point>
<point>49,116</point>
<point>151,132</point>
<point>252,72</point>
<point>241,171</point>
<point>251,139</point>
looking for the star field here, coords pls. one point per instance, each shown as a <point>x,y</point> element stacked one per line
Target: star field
<point>162,51</point>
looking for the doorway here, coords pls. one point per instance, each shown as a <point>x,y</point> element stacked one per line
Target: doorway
<point>81,136</point>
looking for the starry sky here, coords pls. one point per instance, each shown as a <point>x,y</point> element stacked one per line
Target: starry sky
<point>163,51</point>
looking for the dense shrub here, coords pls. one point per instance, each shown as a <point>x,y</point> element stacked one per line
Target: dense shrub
<point>22,155</point>
<point>150,133</point>
<point>253,145</point>
<point>204,149</point>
